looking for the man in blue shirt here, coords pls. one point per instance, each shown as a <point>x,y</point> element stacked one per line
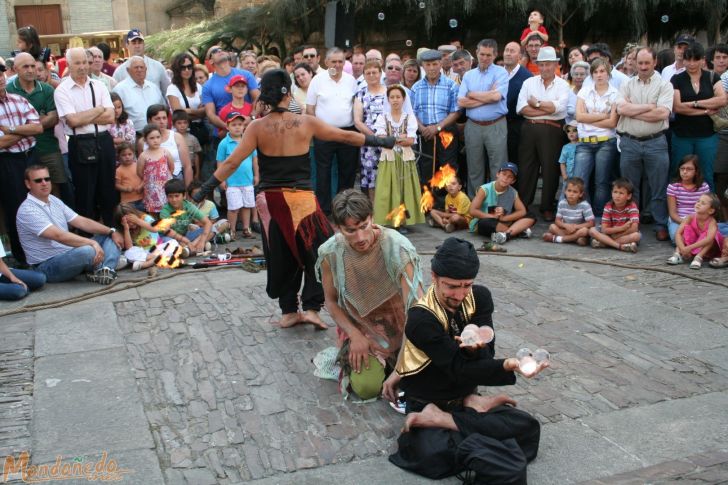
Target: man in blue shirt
<point>214,94</point>
<point>483,93</point>
<point>435,103</point>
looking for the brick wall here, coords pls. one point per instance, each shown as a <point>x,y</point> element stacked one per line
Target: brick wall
<point>90,15</point>
<point>5,46</point>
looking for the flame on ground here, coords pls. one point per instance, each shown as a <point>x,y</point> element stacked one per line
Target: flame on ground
<point>442,177</point>
<point>170,256</point>
<point>427,200</point>
<point>398,215</point>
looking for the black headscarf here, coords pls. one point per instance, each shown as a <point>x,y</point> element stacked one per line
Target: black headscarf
<point>456,259</point>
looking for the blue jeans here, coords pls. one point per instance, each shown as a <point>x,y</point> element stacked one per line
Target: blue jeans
<point>651,158</point>
<point>12,291</point>
<point>601,159</point>
<point>672,228</point>
<point>78,260</point>
<point>705,148</point>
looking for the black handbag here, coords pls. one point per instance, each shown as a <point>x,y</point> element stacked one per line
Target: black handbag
<point>87,145</point>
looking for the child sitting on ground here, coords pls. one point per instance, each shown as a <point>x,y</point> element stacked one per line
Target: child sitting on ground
<point>535,26</point>
<point>457,208</point>
<point>568,154</point>
<point>698,237</point>
<point>185,213</point>
<point>684,192</point>
<point>498,211</point>
<point>238,188</point>
<point>574,216</point>
<point>181,123</point>
<point>140,236</point>
<point>620,220</point>
<point>220,227</point>
<point>128,183</point>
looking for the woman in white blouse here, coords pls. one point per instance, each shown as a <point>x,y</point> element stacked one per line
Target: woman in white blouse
<point>596,153</point>
<point>184,92</point>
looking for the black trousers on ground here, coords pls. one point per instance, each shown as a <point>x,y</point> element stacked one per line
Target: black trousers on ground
<point>514,136</point>
<point>437,453</point>
<point>348,160</point>
<point>447,155</point>
<point>13,192</point>
<point>96,193</point>
<point>539,150</point>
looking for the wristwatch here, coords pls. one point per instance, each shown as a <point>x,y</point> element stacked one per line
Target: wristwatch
<point>695,104</point>
<point>439,129</point>
<point>538,104</point>
<point>111,231</point>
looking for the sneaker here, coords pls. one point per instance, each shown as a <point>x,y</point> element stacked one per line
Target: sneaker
<point>675,259</point>
<point>697,263</point>
<point>103,276</point>
<point>122,263</point>
<point>499,237</point>
<point>629,247</point>
<point>137,265</point>
<point>186,252</point>
<point>527,234</point>
<point>430,221</point>
<point>208,246</point>
<point>449,228</point>
<point>595,243</point>
<point>223,238</point>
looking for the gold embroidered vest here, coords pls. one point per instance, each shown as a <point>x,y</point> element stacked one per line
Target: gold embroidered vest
<point>412,360</point>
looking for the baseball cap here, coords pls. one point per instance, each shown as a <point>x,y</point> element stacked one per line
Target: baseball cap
<point>232,115</point>
<point>509,166</point>
<point>238,78</point>
<point>684,39</point>
<point>134,34</point>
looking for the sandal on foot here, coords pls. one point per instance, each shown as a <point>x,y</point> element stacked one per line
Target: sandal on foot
<point>697,263</point>
<point>582,241</point>
<point>548,237</point>
<point>675,259</point>
<point>629,247</point>
<point>247,233</point>
<point>596,243</point>
<point>718,262</point>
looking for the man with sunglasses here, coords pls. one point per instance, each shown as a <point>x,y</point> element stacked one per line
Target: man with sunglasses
<point>156,73</point>
<point>19,124</point>
<point>43,221</point>
<point>311,56</point>
<point>214,92</point>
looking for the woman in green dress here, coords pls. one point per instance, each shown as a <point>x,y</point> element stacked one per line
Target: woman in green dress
<point>397,194</point>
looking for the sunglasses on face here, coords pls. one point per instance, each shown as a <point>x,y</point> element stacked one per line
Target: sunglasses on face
<point>393,68</point>
<point>215,51</point>
<point>309,56</point>
<point>186,67</point>
<point>42,179</point>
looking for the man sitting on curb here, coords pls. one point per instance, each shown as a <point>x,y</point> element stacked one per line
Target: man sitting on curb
<point>50,248</point>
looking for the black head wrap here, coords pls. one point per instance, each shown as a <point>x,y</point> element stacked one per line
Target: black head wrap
<point>456,259</point>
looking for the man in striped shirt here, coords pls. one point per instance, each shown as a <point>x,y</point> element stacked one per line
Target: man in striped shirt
<point>51,248</point>
<point>19,124</point>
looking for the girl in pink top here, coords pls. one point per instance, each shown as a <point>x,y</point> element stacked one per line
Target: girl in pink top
<point>155,167</point>
<point>684,192</point>
<point>698,237</point>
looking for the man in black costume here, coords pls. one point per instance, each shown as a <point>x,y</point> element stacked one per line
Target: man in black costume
<point>449,428</point>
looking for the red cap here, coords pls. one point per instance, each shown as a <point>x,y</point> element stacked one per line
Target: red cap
<point>238,78</point>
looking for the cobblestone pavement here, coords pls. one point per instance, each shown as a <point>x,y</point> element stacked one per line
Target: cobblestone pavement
<point>229,397</point>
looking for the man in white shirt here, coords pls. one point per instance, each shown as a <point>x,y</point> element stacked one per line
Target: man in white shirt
<point>51,248</point>
<point>542,102</point>
<point>681,43</point>
<point>138,93</point>
<point>330,98</point>
<point>155,70</point>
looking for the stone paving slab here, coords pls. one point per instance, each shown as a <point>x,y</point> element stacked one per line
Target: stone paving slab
<point>84,403</point>
<point>77,328</point>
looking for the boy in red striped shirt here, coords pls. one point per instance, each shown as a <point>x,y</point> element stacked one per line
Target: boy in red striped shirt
<point>620,220</point>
